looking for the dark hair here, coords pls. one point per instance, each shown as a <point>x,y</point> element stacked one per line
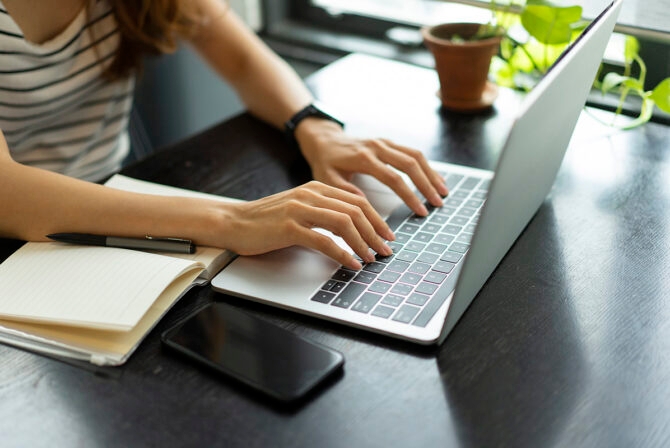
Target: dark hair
<point>149,27</point>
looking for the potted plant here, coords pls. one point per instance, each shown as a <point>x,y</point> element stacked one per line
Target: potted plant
<point>463,53</point>
<point>521,43</point>
<point>546,30</point>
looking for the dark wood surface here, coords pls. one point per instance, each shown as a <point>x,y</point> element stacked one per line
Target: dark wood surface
<point>567,344</point>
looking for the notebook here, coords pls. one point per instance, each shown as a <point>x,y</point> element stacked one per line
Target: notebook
<point>96,303</point>
<point>439,263</point>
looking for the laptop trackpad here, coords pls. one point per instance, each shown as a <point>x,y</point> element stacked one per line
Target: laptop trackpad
<point>287,276</point>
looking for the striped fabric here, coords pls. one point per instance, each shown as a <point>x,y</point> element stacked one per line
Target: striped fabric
<point>56,112</point>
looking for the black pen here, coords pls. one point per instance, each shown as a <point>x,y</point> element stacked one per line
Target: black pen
<point>176,245</point>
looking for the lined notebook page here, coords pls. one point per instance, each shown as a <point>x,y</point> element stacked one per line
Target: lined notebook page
<point>94,287</point>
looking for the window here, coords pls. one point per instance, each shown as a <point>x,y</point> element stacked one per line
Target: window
<point>322,30</point>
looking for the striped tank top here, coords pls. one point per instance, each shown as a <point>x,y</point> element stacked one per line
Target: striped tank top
<point>56,112</point>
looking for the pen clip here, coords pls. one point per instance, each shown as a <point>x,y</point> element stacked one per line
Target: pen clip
<point>176,240</point>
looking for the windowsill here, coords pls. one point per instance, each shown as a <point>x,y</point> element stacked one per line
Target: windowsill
<point>307,43</point>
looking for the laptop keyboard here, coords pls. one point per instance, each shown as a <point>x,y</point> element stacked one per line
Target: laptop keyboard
<point>410,285</point>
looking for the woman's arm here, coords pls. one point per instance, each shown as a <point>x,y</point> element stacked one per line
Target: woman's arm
<point>272,91</point>
<point>36,202</point>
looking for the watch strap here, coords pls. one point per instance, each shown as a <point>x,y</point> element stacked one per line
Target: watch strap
<point>310,110</point>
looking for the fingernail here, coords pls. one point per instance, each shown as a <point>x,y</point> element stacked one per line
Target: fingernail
<point>387,250</point>
<point>389,235</point>
<point>423,211</point>
<point>436,200</point>
<point>442,189</point>
<point>355,264</point>
<point>370,256</point>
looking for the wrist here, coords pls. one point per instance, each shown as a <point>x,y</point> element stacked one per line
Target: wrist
<point>311,117</point>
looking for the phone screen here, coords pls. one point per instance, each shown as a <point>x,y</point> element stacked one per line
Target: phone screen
<point>258,353</point>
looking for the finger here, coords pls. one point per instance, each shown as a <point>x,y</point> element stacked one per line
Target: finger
<point>338,181</point>
<point>412,167</point>
<point>341,225</point>
<point>436,179</point>
<point>317,241</point>
<point>350,218</point>
<point>361,202</point>
<point>388,176</point>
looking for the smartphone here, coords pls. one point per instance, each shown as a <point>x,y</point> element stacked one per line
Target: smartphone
<point>260,354</point>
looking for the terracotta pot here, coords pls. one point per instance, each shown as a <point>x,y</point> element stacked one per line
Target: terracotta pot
<point>463,66</point>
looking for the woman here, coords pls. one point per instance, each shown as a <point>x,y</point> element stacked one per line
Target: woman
<point>66,79</point>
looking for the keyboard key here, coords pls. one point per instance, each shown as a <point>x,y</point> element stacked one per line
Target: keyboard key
<point>436,248</point>
<point>431,228</point>
<point>428,258</point>
<point>338,286</point>
<point>470,228</point>
<point>365,277</point>
<point>417,220</point>
<point>439,219</point>
<point>458,220</point>
<point>415,246</point>
<point>408,228</point>
<point>401,289</point>
<point>460,194</point>
<point>388,276</point>
<point>474,203</point>
<point>383,258</point>
<point>344,275</point>
<point>401,238</point>
<point>393,300</point>
<point>374,267</point>
<point>342,302</point>
<point>380,287</point>
<point>467,211</point>
<point>406,313</point>
<point>452,229</point>
<point>480,195</point>
<point>395,246</point>
<point>329,284</point>
<point>426,288</point>
<point>410,278</point>
<point>397,266</point>
<point>453,202</point>
<point>323,296</point>
<point>464,238</point>
<point>352,291</point>
<point>418,299</point>
<point>451,257</point>
<point>366,302</point>
<point>459,247</point>
<point>444,267</point>
<point>423,237</point>
<point>406,255</point>
<point>443,238</point>
<point>419,268</point>
<point>446,211</point>
<point>383,311</point>
<point>453,180</point>
<point>435,277</point>
<point>470,183</point>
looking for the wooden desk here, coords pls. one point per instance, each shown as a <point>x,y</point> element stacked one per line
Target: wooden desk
<point>568,343</point>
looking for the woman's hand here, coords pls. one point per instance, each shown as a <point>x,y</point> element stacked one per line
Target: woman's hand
<point>288,218</point>
<point>335,157</point>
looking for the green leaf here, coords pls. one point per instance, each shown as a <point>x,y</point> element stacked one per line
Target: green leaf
<point>631,49</point>
<point>613,80</point>
<point>502,72</point>
<point>645,114</point>
<point>550,25</point>
<point>661,95</point>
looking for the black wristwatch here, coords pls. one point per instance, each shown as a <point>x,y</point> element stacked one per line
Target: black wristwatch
<point>309,111</point>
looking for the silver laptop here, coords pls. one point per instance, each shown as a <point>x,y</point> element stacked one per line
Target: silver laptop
<point>440,261</point>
